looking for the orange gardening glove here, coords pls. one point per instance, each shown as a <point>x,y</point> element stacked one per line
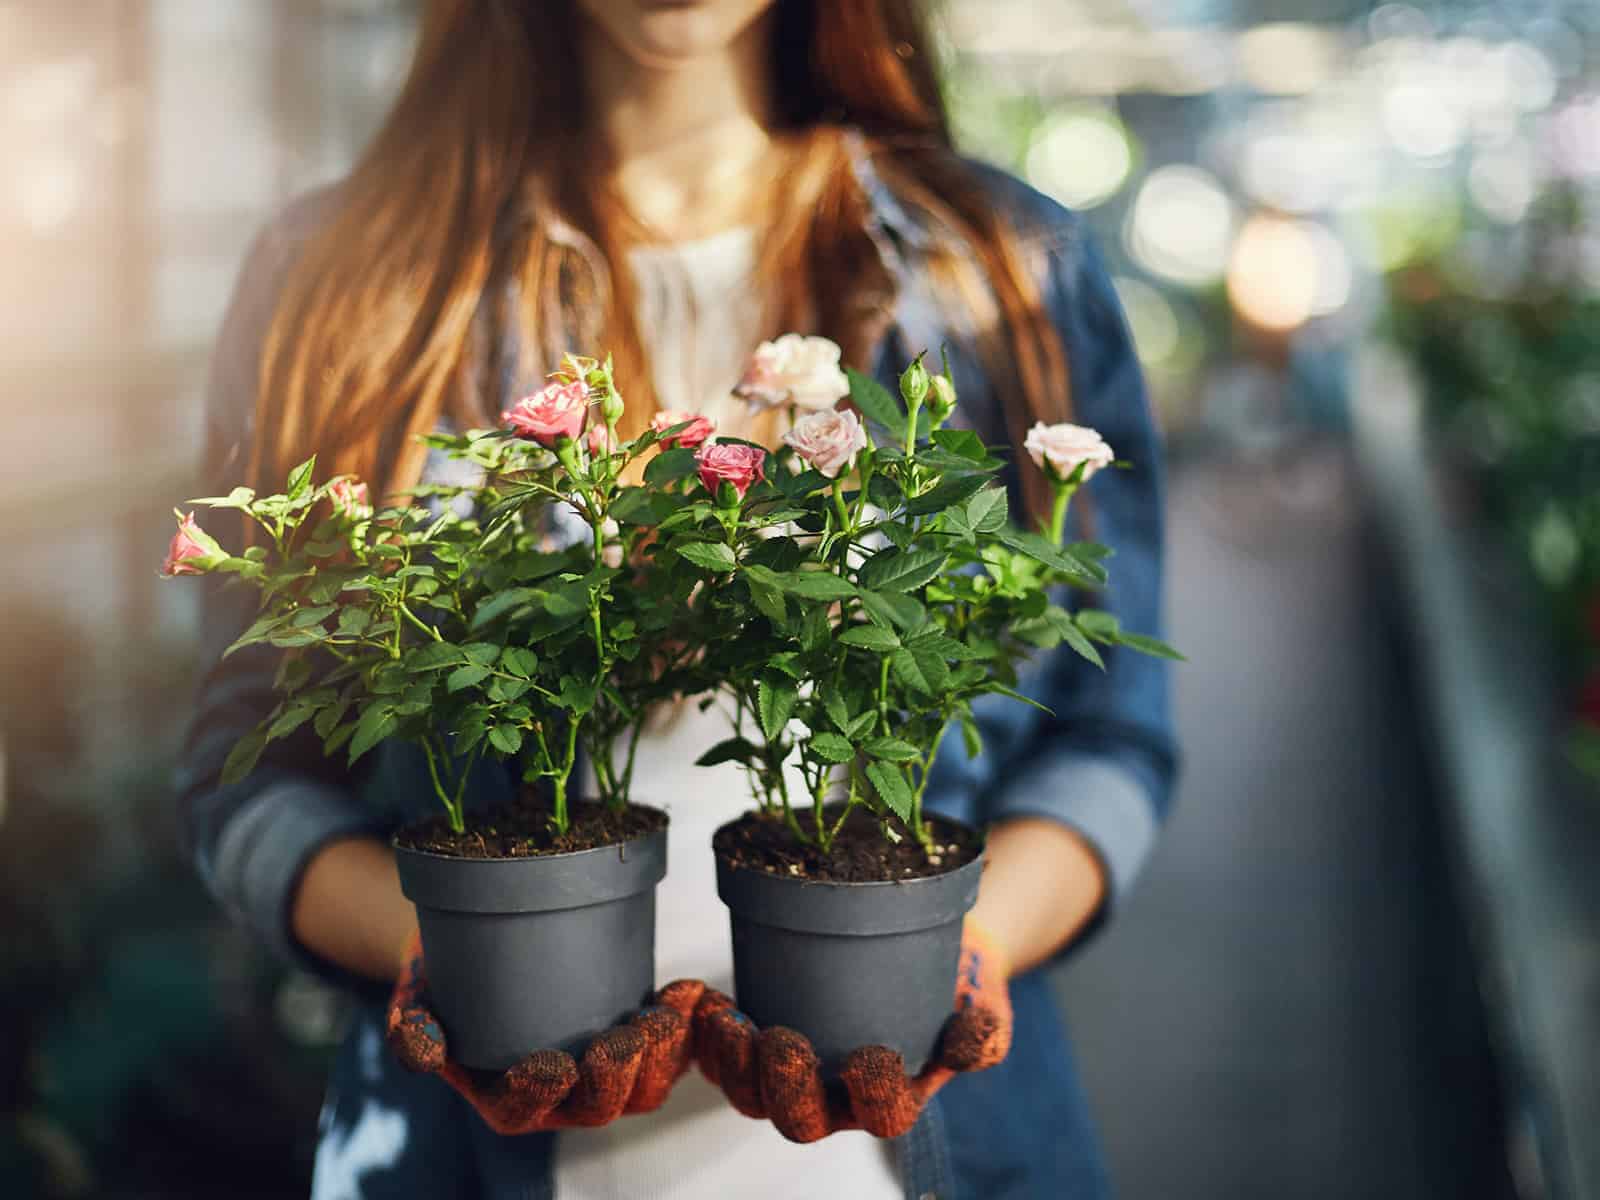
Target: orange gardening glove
<point>775,1073</point>
<point>628,1068</point>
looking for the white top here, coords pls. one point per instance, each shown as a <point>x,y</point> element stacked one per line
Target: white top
<point>697,317</point>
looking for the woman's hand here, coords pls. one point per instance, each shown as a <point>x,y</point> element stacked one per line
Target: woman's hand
<point>774,1073</point>
<point>627,1069</point>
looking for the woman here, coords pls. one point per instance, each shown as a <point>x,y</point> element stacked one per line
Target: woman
<point>673,181</point>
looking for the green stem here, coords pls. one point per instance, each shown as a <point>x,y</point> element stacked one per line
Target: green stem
<point>456,823</point>
<point>1058,510</point>
<point>559,818</point>
<point>919,827</point>
<point>406,612</point>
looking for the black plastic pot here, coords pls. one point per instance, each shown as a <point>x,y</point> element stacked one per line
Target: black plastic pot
<point>535,953</point>
<point>849,964</point>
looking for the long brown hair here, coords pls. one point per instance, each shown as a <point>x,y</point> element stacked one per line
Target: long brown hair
<point>448,233</point>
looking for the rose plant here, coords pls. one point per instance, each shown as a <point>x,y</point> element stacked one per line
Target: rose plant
<point>458,619</point>
<point>853,622</point>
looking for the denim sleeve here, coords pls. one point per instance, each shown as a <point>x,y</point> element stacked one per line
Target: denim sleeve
<point>1102,760</point>
<point>251,840</point>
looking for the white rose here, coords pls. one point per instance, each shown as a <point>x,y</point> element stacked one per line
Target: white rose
<point>803,371</point>
<point>828,440</point>
<point>1064,446</point>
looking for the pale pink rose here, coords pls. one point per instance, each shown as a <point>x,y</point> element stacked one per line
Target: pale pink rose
<point>699,429</point>
<point>555,411</point>
<point>193,551</point>
<point>828,440</point>
<point>802,371</point>
<point>730,463</point>
<point>1064,446</point>
<point>600,441</point>
<point>350,500</point>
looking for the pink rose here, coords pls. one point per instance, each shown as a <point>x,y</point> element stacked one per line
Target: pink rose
<point>555,411</point>
<point>803,371</point>
<point>700,428</point>
<point>600,441</point>
<point>828,440</point>
<point>193,551</point>
<point>729,462</point>
<point>349,497</point>
<point>1064,446</point>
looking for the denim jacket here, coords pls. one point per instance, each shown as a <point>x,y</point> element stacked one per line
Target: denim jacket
<point>1101,761</point>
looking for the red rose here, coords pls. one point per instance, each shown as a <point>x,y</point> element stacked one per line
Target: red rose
<point>193,551</point>
<point>730,463</point>
<point>555,411</point>
<point>699,428</point>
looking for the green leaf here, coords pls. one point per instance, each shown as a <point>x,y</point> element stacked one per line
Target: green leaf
<point>519,661</point>
<point>860,724</point>
<point>1073,636</point>
<point>961,442</point>
<point>1149,645</point>
<point>892,750</point>
<point>734,749</point>
<point>259,629</point>
<point>766,593</point>
<point>502,602</point>
<point>892,788</point>
<point>869,637</point>
<point>376,723</point>
<point>710,556</point>
<point>909,672</point>
<point>987,510</point>
<point>308,617</point>
<point>482,653</point>
<point>817,585</point>
<point>952,490</point>
<point>775,700</point>
<point>1042,549</point>
<point>571,599</point>
<point>465,677</point>
<point>892,609</point>
<point>670,465</point>
<point>243,757</point>
<point>877,403</point>
<point>901,570</point>
<point>300,478</point>
<point>833,704</point>
<point>433,655</point>
<point>1100,625</point>
<point>830,747</point>
<point>354,620</point>
<point>288,722</point>
<point>815,629</point>
<point>1003,690</point>
<point>506,738</point>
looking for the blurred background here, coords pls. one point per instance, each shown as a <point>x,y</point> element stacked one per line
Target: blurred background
<point>1359,250</point>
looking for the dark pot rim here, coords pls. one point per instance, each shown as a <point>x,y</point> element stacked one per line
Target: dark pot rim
<point>866,909</point>
<point>522,858</point>
<point>535,882</point>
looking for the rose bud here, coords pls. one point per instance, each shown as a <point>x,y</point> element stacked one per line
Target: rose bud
<point>192,551</point>
<point>941,398</point>
<point>1059,449</point>
<point>698,430</point>
<point>914,384</point>
<point>736,465</point>
<point>828,441</point>
<point>349,498</point>
<point>802,371</point>
<point>601,442</point>
<point>555,411</point>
